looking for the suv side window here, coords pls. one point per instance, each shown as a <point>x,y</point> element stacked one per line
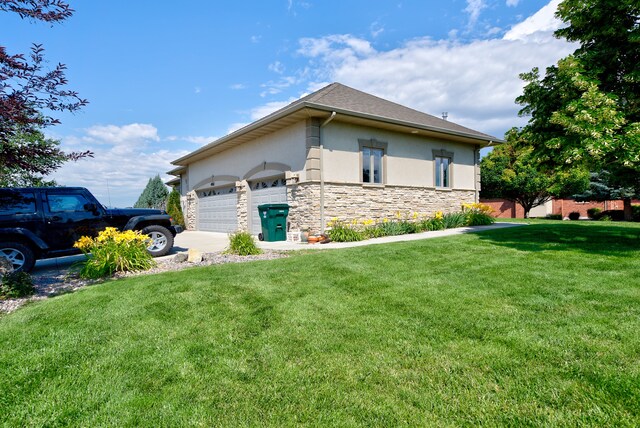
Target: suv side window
<point>71,202</point>
<point>13,202</point>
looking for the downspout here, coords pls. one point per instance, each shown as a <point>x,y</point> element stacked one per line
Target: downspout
<point>322,222</point>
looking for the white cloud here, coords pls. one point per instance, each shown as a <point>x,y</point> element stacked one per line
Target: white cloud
<point>474,7</point>
<point>117,135</point>
<point>476,81</point>
<point>125,157</point>
<point>199,140</point>
<point>376,29</point>
<point>238,86</point>
<point>276,67</point>
<point>512,3</point>
<point>538,26</point>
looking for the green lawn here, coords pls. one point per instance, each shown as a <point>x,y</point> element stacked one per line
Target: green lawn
<point>536,325</point>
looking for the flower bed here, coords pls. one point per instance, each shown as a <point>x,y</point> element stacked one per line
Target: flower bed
<point>402,224</point>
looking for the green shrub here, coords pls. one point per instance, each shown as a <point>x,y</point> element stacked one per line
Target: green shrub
<point>574,215</point>
<point>453,220</point>
<point>553,217</point>
<point>243,243</point>
<point>114,251</point>
<point>342,232</point>
<point>605,217</point>
<point>478,214</point>
<point>594,213</point>
<point>393,228</point>
<point>374,231</point>
<point>16,284</point>
<point>174,209</point>
<point>635,212</point>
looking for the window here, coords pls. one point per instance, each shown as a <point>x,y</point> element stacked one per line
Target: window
<point>372,156</point>
<point>372,165</point>
<point>66,202</point>
<point>442,172</point>
<point>442,165</point>
<point>12,203</point>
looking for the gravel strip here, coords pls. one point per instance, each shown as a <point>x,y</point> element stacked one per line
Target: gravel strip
<point>52,282</point>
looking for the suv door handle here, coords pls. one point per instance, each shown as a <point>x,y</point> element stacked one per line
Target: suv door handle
<point>54,218</point>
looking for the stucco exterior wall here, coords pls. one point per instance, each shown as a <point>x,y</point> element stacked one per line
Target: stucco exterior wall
<point>409,158</point>
<point>286,146</point>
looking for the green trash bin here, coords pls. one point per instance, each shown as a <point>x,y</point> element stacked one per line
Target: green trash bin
<point>273,218</point>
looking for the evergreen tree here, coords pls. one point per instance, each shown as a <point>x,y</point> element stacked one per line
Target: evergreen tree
<point>154,194</point>
<point>174,209</point>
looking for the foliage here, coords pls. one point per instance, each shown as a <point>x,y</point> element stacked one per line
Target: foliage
<point>478,214</point>
<point>635,209</point>
<point>113,251</point>
<point>154,195</point>
<point>553,217</point>
<point>243,243</point>
<point>574,215</point>
<point>174,209</point>
<point>594,213</point>
<point>29,93</point>
<point>16,284</point>
<point>343,232</point>
<point>513,171</point>
<point>28,156</point>
<point>453,220</point>
<point>604,186</point>
<point>585,111</point>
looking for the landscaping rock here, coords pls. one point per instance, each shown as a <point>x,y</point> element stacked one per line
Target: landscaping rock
<point>195,256</point>
<point>180,258</point>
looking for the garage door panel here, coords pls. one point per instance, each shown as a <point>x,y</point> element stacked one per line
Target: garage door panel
<point>218,213</point>
<point>266,195</point>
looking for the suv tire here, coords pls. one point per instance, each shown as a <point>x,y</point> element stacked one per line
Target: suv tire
<point>20,255</point>
<point>162,240</point>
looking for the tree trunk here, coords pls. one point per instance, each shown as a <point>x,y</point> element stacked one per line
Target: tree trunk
<point>628,211</point>
<point>526,212</point>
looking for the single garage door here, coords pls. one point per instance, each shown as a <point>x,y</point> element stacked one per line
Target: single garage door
<point>218,210</point>
<point>268,191</point>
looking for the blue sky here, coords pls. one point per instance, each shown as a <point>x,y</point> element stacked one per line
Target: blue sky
<point>164,78</point>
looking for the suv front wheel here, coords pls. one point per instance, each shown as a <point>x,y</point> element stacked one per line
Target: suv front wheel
<point>161,240</point>
<point>20,255</point>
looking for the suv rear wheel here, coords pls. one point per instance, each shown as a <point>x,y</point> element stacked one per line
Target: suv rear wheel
<point>20,255</point>
<point>161,240</point>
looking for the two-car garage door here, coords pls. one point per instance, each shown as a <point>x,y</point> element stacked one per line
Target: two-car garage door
<point>218,210</point>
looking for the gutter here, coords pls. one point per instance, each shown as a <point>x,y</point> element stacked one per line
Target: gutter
<point>322,219</point>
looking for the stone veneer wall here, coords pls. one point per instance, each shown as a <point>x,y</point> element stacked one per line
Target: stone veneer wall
<point>191,210</point>
<point>348,202</point>
<point>354,201</point>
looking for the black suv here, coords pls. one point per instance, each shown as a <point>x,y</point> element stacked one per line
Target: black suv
<point>45,222</point>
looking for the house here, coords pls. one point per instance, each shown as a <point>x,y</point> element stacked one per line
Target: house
<point>336,153</point>
<point>558,206</point>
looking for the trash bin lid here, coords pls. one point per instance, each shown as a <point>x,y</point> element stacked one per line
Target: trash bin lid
<point>265,207</point>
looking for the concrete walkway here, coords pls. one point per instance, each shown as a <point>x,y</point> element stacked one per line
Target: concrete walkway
<point>211,242</point>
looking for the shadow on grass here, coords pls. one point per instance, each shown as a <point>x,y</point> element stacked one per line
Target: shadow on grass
<point>592,238</point>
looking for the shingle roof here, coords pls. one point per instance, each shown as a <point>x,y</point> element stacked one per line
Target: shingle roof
<point>347,102</point>
<point>339,96</point>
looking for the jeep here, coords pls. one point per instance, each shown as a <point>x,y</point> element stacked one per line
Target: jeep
<point>44,222</point>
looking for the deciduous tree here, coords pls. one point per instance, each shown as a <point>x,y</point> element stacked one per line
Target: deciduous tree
<point>512,172</point>
<point>585,111</point>
<point>30,93</point>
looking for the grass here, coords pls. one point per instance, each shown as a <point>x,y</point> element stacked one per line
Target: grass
<point>537,325</point>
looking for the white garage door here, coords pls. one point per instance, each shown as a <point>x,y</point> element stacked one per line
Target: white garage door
<point>218,210</point>
<point>268,191</point>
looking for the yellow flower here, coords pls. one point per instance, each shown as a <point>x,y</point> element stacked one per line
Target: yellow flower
<point>84,243</point>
